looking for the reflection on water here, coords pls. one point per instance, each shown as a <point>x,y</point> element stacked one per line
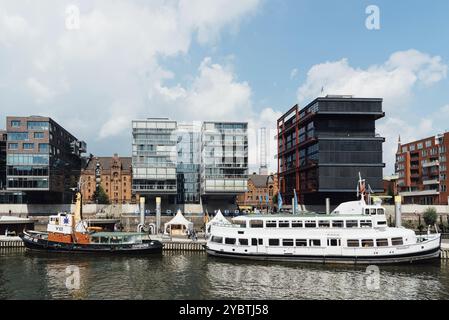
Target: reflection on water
<point>196,276</point>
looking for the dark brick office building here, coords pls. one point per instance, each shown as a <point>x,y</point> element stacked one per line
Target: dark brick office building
<point>323,147</point>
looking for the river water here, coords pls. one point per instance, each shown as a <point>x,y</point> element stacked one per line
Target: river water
<point>27,275</point>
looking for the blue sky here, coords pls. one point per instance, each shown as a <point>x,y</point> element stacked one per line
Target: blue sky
<point>221,60</point>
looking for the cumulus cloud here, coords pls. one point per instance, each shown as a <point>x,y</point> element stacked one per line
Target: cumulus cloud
<point>392,80</point>
<point>94,79</point>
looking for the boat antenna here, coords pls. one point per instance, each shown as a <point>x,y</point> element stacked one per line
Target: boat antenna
<point>361,189</point>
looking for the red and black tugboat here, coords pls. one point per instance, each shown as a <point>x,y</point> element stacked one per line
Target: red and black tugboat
<point>70,233</point>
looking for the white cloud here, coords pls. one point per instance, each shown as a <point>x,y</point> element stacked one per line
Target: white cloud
<point>392,80</point>
<point>93,80</point>
<point>293,73</point>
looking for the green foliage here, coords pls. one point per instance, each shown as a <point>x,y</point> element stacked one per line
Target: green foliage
<point>275,199</point>
<point>430,216</point>
<point>100,196</point>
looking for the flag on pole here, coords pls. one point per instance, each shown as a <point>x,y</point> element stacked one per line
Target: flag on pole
<point>279,201</point>
<point>260,199</point>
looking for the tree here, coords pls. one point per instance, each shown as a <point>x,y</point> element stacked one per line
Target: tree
<point>430,216</point>
<point>275,199</point>
<point>100,196</point>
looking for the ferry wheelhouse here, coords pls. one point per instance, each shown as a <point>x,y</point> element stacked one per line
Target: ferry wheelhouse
<point>355,232</point>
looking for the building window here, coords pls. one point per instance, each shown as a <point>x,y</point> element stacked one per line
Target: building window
<point>412,147</point>
<point>13,146</point>
<point>420,146</point>
<point>428,143</point>
<point>404,149</point>
<point>13,136</point>
<point>43,147</point>
<point>37,125</point>
<point>28,146</point>
<point>15,123</point>
<point>38,135</point>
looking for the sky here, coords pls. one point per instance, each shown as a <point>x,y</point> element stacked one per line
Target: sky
<point>93,66</point>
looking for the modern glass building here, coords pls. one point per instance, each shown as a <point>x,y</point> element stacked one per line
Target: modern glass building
<point>224,166</point>
<point>323,147</point>
<point>43,159</point>
<point>188,162</point>
<point>154,157</point>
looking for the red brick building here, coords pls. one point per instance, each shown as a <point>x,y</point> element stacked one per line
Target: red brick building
<point>259,186</point>
<point>422,170</point>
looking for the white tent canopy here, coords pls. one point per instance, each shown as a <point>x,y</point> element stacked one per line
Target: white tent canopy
<point>178,225</point>
<point>218,219</point>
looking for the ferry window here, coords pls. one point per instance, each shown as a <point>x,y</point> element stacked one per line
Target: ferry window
<point>373,212</point>
<point>273,242</point>
<point>381,223</point>
<point>256,224</point>
<point>367,243</point>
<point>243,242</point>
<point>310,224</point>
<point>382,242</point>
<point>366,224</point>
<point>240,223</point>
<point>352,223</point>
<point>217,239</point>
<point>324,224</point>
<point>337,224</point>
<point>380,211</point>
<point>296,224</point>
<point>287,242</point>
<point>270,224</point>
<point>367,211</point>
<point>230,240</point>
<point>284,224</point>
<point>397,241</point>
<point>301,242</point>
<point>353,243</point>
<point>315,242</point>
<point>260,242</point>
<point>333,242</point>
<point>254,242</point>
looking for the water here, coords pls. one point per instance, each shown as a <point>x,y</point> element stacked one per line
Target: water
<point>26,275</point>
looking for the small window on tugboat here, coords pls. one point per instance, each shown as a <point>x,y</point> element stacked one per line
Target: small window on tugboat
<point>367,243</point>
<point>301,242</point>
<point>229,240</point>
<point>296,224</point>
<point>256,223</point>
<point>243,242</point>
<point>382,242</point>
<point>315,242</point>
<point>217,239</point>
<point>270,224</point>
<point>284,224</point>
<point>324,224</point>
<point>366,223</point>
<point>337,224</point>
<point>352,223</point>
<point>310,224</point>
<point>353,243</point>
<point>397,241</point>
<point>287,242</point>
<point>273,242</point>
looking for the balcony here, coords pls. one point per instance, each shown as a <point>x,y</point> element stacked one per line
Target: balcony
<point>431,164</point>
<point>419,193</point>
<point>430,182</point>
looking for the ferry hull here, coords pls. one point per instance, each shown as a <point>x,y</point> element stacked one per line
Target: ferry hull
<point>36,244</point>
<point>418,257</point>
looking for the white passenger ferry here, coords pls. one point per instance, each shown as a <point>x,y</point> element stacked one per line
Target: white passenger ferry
<point>355,232</point>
